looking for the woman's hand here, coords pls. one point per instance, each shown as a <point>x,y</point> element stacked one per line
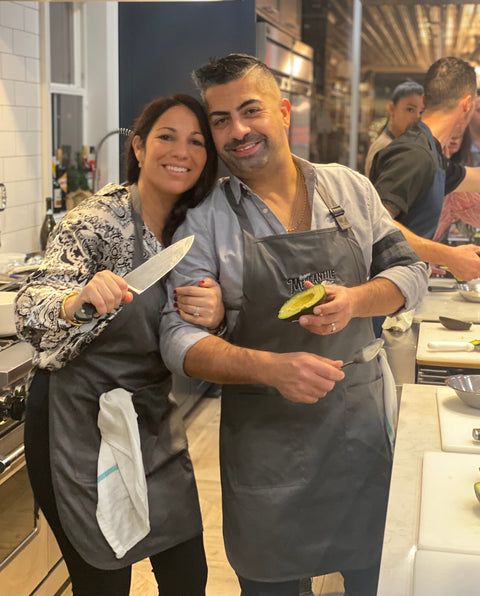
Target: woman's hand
<point>106,291</point>
<point>201,305</point>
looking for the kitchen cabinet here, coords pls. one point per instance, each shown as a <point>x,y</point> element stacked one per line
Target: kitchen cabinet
<point>284,14</point>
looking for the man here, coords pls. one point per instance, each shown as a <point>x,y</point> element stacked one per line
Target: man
<point>474,128</point>
<point>405,107</point>
<point>305,459</point>
<point>412,176</point>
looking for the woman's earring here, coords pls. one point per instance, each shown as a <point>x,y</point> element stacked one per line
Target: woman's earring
<point>140,164</point>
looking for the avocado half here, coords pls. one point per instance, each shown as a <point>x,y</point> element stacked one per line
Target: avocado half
<point>302,303</point>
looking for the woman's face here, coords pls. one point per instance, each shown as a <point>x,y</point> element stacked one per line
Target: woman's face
<point>174,153</point>
<point>404,112</point>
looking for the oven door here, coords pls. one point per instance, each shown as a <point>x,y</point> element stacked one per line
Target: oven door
<point>25,539</point>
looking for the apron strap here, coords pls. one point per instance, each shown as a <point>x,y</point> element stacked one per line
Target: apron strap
<point>137,225</point>
<point>337,212</point>
<point>238,209</point>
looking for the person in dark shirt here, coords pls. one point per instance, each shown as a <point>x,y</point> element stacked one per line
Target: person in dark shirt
<point>412,176</point>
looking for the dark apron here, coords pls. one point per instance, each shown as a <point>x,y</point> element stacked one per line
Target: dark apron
<point>304,486</point>
<point>126,354</point>
<point>423,216</point>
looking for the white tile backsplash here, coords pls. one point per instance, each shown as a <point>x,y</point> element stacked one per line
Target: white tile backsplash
<point>13,118</point>
<point>34,119</point>
<point>32,68</point>
<point>26,44</point>
<point>24,192</point>
<point>6,39</point>
<point>13,67</point>
<point>12,15</point>
<point>27,94</point>
<point>7,143</point>
<point>31,20</point>
<point>22,168</point>
<point>28,143</point>
<point>7,92</point>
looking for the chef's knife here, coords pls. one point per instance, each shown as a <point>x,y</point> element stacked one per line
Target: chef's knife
<point>454,346</point>
<point>146,274</point>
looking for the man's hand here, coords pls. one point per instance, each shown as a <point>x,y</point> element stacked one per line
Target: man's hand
<point>303,377</point>
<point>464,261</point>
<point>333,315</point>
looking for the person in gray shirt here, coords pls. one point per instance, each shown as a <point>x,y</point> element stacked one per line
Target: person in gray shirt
<point>305,458</point>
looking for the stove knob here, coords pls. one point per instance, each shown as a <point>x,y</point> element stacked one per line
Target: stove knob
<point>17,407</point>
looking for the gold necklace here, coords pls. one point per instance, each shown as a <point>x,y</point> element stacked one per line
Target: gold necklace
<point>292,227</point>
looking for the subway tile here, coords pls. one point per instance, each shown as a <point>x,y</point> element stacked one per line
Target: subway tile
<point>23,192</point>
<point>26,44</point>
<point>13,67</point>
<point>6,39</point>
<point>13,118</point>
<point>7,93</point>
<point>11,15</point>
<point>34,119</point>
<point>32,70</point>
<point>7,144</point>
<point>31,20</point>
<point>26,240</point>
<point>22,168</point>
<point>1,169</point>
<point>27,143</point>
<point>27,94</point>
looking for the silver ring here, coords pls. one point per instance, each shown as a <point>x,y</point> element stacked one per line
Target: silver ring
<point>197,312</point>
<point>334,327</point>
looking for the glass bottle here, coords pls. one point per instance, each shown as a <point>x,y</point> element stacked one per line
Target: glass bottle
<point>57,191</point>
<point>48,224</point>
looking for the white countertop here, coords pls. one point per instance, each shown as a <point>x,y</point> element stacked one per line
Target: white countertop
<point>418,431</point>
<point>449,304</point>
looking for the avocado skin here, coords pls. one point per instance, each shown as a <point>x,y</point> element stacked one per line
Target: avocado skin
<point>308,310</point>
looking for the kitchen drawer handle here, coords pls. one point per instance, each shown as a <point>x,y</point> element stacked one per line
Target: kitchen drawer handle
<point>7,460</point>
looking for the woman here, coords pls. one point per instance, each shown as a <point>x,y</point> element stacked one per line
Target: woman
<point>171,166</point>
<point>405,107</point>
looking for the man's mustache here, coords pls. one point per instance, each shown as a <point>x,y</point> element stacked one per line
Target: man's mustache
<point>248,138</point>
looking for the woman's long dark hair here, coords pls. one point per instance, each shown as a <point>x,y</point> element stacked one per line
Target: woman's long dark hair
<point>143,126</point>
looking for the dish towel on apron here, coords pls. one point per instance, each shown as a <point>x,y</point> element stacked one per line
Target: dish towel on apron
<point>122,508</point>
<point>389,399</point>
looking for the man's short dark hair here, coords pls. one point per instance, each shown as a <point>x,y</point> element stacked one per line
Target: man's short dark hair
<point>447,81</point>
<point>219,71</point>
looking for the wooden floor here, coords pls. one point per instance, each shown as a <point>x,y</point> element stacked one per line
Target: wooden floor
<point>202,430</point>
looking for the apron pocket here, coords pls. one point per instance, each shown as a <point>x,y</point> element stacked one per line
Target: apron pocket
<point>261,439</point>
<point>162,432</point>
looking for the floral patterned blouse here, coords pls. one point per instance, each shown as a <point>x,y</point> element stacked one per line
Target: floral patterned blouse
<point>96,235</point>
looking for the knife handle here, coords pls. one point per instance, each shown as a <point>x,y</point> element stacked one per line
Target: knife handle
<point>85,313</point>
<point>451,346</point>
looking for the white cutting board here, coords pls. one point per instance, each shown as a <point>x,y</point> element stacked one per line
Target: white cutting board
<point>456,422</point>
<point>446,574</point>
<point>449,510</point>
<point>437,332</point>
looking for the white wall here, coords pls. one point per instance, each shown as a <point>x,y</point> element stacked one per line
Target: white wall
<point>20,126</point>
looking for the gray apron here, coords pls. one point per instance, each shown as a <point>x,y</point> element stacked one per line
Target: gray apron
<point>304,486</point>
<point>423,216</point>
<point>126,354</point>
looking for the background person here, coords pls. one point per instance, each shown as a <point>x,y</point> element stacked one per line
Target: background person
<point>305,459</point>
<point>412,176</point>
<point>405,107</point>
<point>171,165</point>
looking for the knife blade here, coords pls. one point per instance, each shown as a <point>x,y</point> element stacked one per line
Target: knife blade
<point>454,346</point>
<point>146,274</point>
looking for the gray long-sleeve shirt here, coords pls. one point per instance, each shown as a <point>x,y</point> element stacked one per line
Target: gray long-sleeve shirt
<point>217,251</point>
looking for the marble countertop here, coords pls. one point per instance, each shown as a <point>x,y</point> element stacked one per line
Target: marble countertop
<point>418,431</point>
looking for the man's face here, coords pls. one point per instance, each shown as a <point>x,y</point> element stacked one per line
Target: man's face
<point>248,120</point>
<point>475,120</point>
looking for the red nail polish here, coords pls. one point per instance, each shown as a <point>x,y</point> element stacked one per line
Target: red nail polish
<point>201,283</point>
<point>175,304</point>
<point>178,312</point>
<point>175,292</point>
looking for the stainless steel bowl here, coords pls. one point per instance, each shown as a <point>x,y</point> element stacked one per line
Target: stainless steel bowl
<point>467,387</point>
<point>470,290</point>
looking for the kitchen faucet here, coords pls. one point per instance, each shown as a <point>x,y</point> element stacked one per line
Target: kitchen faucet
<point>117,131</point>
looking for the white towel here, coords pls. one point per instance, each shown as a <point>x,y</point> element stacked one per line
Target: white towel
<point>389,399</point>
<point>400,322</point>
<point>122,507</point>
